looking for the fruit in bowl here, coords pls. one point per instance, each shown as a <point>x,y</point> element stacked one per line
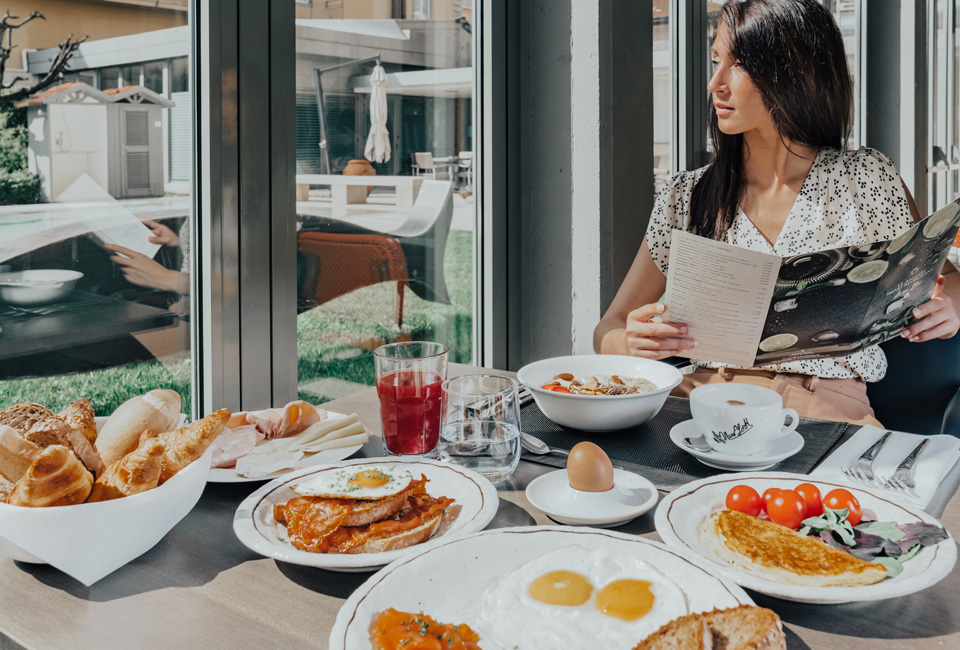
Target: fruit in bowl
<point>600,392</point>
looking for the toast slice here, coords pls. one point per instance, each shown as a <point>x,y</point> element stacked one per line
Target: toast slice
<point>775,552</point>
<point>395,542</point>
<point>740,628</point>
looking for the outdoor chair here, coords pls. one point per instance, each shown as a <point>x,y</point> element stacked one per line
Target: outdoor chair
<point>466,166</point>
<point>919,393</point>
<point>334,264</point>
<point>425,165</point>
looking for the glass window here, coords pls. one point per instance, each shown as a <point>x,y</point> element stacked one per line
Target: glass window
<point>663,111</point>
<point>392,260</point>
<point>78,178</point>
<point>179,75</point>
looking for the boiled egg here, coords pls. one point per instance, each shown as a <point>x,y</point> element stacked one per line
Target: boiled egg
<point>574,597</point>
<point>365,482</point>
<point>589,468</point>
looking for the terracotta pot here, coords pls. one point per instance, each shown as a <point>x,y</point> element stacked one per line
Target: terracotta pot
<point>360,168</point>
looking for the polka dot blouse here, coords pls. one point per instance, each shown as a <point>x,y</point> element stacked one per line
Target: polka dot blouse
<point>849,198</point>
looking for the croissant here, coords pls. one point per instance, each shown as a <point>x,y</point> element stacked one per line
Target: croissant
<point>185,445</point>
<point>6,487</point>
<point>79,415</point>
<point>136,472</point>
<point>56,478</point>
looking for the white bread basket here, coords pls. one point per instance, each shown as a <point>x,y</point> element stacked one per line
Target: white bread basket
<point>91,540</point>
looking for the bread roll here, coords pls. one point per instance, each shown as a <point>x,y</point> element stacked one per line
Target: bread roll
<point>136,472</point>
<point>159,409</point>
<point>16,454</point>
<point>79,414</point>
<point>56,478</point>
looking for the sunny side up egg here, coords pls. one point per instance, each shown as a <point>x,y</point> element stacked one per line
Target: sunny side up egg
<point>512,612</point>
<point>364,482</point>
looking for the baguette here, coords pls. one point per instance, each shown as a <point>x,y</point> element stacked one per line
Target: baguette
<point>16,454</point>
<point>158,409</point>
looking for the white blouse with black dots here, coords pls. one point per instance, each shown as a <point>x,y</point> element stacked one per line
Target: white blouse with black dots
<point>849,198</point>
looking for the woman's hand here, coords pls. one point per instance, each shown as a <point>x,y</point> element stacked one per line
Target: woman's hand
<point>161,234</point>
<point>654,340</point>
<point>141,270</point>
<point>937,318</point>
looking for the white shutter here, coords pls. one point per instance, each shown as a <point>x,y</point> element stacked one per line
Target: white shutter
<point>180,137</point>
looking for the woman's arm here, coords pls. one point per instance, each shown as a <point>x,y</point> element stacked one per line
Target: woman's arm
<point>627,326</point>
<point>938,317</point>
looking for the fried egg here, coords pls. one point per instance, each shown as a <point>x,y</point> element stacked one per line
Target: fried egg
<point>577,598</point>
<point>365,482</point>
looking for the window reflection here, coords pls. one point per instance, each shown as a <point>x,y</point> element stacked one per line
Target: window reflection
<point>389,258</point>
<point>99,160</point>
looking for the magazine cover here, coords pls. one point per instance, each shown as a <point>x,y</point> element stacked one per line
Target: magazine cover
<point>838,301</point>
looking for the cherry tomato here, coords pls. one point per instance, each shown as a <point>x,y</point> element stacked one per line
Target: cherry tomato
<point>767,495</point>
<point>744,499</point>
<point>840,498</point>
<point>787,508</point>
<point>811,495</point>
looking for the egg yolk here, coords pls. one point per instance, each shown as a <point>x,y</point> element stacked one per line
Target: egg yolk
<point>626,599</point>
<point>561,588</point>
<point>368,479</point>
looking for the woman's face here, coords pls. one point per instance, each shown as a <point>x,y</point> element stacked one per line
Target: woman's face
<point>737,101</point>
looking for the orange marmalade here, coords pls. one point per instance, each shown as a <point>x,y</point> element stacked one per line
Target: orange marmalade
<point>395,630</point>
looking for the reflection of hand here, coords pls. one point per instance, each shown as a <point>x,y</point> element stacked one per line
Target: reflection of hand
<point>141,270</point>
<point>161,234</point>
<point>652,340</point>
<point>936,318</point>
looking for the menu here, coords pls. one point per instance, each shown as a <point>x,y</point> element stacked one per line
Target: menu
<point>748,308</point>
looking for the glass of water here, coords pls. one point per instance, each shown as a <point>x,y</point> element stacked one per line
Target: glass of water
<point>481,424</point>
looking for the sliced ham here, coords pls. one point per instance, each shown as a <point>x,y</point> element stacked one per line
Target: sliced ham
<point>234,443</point>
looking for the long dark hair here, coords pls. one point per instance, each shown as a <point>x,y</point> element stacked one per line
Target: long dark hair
<point>793,52</point>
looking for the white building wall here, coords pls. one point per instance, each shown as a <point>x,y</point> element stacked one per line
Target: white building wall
<point>38,150</point>
<point>78,144</point>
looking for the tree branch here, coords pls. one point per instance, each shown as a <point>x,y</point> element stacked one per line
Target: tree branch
<point>6,30</point>
<point>57,68</point>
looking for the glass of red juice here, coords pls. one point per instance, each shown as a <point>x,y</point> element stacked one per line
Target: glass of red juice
<point>409,380</point>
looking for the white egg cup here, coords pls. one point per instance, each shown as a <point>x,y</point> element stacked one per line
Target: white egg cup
<point>631,496</point>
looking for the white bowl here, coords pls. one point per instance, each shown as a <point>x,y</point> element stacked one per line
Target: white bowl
<point>39,287</point>
<point>90,540</point>
<point>600,412</point>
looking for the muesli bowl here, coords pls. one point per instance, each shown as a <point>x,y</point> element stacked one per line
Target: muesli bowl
<point>37,287</point>
<point>600,412</point>
<point>91,540</point>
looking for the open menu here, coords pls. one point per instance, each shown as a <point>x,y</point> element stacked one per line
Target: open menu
<point>748,308</point>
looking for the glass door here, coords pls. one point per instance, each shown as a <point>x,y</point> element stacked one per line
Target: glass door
<point>95,207</point>
<point>384,185</point>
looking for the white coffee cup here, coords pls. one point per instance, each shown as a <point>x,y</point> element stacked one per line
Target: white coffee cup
<point>739,419</point>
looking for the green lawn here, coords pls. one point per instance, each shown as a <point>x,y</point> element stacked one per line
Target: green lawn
<point>335,340</point>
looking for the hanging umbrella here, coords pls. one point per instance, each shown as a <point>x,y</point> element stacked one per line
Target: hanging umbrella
<point>378,142</point>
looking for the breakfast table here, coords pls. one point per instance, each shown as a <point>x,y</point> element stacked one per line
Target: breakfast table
<point>200,587</point>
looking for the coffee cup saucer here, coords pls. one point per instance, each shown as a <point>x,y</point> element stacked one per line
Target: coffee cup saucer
<point>772,453</point>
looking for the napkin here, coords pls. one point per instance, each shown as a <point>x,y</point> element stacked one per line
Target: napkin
<point>932,466</point>
<point>91,540</point>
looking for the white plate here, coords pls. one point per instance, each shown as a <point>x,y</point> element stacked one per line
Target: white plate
<point>229,474</point>
<point>259,531</point>
<point>772,453</point>
<point>446,580</point>
<point>631,496</point>
<point>681,513</point>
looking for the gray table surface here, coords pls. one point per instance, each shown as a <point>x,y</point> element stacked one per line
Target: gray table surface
<point>199,587</point>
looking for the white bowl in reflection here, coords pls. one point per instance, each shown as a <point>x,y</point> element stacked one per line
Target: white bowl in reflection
<point>600,412</point>
<point>37,287</point>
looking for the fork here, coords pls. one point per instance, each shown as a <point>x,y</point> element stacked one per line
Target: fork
<point>902,478</point>
<point>862,468</point>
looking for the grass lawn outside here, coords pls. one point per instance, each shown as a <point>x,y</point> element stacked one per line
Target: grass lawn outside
<point>335,345</point>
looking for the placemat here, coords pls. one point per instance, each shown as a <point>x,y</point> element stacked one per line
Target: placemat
<point>648,451</point>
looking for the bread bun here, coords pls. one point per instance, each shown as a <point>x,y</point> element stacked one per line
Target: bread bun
<point>159,409</point>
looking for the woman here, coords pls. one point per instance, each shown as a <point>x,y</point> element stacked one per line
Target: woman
<point>780,182</point>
